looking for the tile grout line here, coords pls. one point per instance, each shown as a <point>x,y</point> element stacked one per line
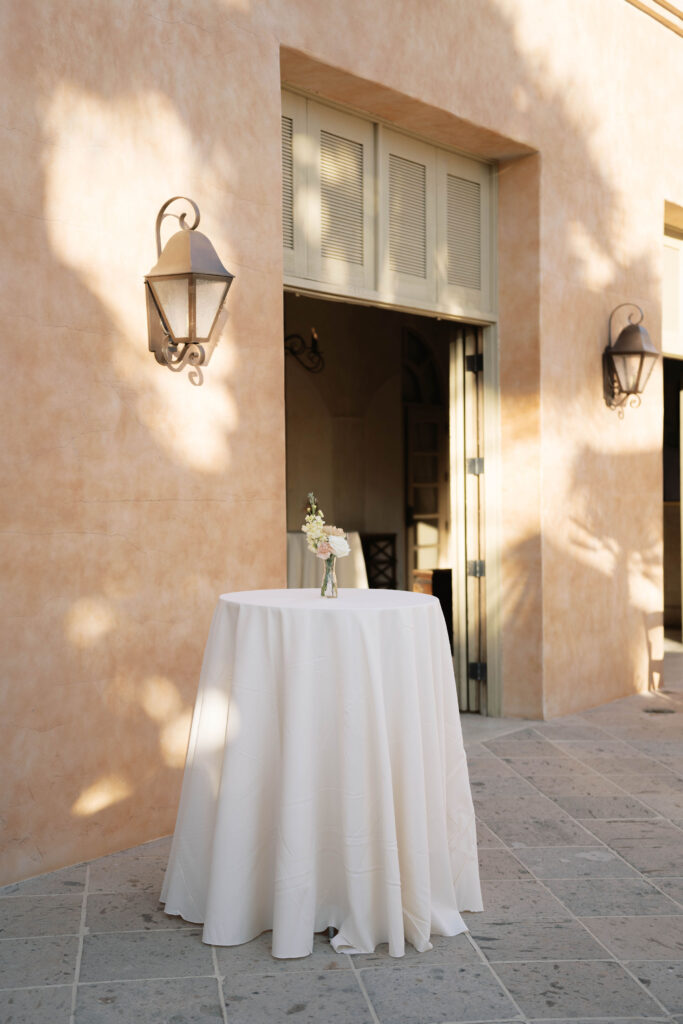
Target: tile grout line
<point>79,954</point>
<point>541,882</point>
<point>361,984</point>
<point>219,982</point>
<point>483,959</point>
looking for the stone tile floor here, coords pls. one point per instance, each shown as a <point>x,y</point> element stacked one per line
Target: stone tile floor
<point>581,844</point>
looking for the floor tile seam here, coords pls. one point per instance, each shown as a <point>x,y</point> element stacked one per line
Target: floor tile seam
<point>675,877</point>
<point>154,977</point>
<point>361,985</point>
<point>79,951</point>
<point>475,945</point>
<point>219,982</point>
<point>42,896</point>
<point>141,931</point>
<point>580,917</point>
<point>596,939</point>
<point>488,1020</point>
<point>630,917</point>
<point>648,960</point>
<point>297,970</point>
<point>585,960</point>
<point>29,988</point>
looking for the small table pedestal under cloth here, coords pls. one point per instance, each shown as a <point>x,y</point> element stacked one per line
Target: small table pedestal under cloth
<point>325,783</point>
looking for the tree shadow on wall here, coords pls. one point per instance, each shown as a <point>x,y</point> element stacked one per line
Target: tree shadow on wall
<point>619,560</point>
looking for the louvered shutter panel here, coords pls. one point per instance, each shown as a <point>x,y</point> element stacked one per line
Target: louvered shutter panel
<point>464,197</point>
<point>287,183</point>
<point>463,232</point>
<point>407,216</point>
<point>407,227</point>
<point>294,184</point>
<point>340,184</point>
<point>341,198</point>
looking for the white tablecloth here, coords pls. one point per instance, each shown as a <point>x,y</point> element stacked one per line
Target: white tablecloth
<point>326,781</point>
<point>305,570</point>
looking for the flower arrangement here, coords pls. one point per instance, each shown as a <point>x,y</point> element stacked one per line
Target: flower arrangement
<point>326,542</point>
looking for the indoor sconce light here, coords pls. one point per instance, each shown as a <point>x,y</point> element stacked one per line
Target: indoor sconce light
<point>185,290</point>
<point>309,355</point>
<point>627,362</point>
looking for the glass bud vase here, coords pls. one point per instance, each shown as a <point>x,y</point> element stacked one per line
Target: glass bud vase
<point>329,587</point>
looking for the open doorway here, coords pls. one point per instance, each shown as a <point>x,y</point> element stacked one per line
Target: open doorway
<point>389,435</point>
<point>673,385</point>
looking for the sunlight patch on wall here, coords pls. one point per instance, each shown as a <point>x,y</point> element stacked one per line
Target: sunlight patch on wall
<point>88,620</point>
<point>160,698</point>
<point>109,790</point>
<point>598,268</point>
<point>173,739</point>
<point>109,167</point>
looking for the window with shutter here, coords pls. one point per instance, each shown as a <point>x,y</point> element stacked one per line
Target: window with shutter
<point>374,214</point>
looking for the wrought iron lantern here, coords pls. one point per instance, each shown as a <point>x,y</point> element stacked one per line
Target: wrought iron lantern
<point>627,362</point>
<point>186,290</point>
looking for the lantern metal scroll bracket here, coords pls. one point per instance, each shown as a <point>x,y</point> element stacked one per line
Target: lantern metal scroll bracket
<point>627,362</point>
<point>186,291</point>
<point>306,353</point>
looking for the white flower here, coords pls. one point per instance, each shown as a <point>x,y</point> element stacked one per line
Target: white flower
<point>339,545</point>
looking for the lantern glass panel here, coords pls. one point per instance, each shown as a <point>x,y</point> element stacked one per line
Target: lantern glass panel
<point>210,295</point>
<point>627,367</point>
<point>174,297</point>
<point>649,360</point>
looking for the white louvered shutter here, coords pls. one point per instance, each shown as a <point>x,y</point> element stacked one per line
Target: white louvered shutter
<point>463,242</point>
<point>407,227</point>
<point>294,146</point>
<point>341,188</point>
<point>287,182</point>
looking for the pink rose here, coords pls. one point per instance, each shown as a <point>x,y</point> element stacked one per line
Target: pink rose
<point>324,549</point>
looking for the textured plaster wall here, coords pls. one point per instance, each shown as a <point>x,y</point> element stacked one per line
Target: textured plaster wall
<point>131,499</point>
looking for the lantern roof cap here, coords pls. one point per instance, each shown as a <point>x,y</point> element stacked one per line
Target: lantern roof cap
<point>634,340</point>
<point>189,252</point>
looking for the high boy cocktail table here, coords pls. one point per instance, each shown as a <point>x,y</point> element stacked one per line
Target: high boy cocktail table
<point>325,783</point>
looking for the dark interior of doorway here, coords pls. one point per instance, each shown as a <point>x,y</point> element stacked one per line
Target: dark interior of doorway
<point>368,432</point>
<point>673,384</point>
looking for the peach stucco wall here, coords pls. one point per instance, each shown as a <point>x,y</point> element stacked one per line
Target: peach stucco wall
<point>131,499</point>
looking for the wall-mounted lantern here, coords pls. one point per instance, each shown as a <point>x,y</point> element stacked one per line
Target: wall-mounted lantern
<point>306,353</point>
<point>627,362</point>
<point>185,290</point>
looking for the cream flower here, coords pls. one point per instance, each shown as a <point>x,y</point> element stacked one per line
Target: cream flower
<point>339,546</point>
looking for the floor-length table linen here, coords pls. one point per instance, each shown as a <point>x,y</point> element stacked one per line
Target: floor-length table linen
<point>325,781</point>
<point>305,570</point>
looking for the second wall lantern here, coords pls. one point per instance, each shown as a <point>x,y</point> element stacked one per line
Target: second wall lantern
<point>186,290</point>
<point>627,362</point>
